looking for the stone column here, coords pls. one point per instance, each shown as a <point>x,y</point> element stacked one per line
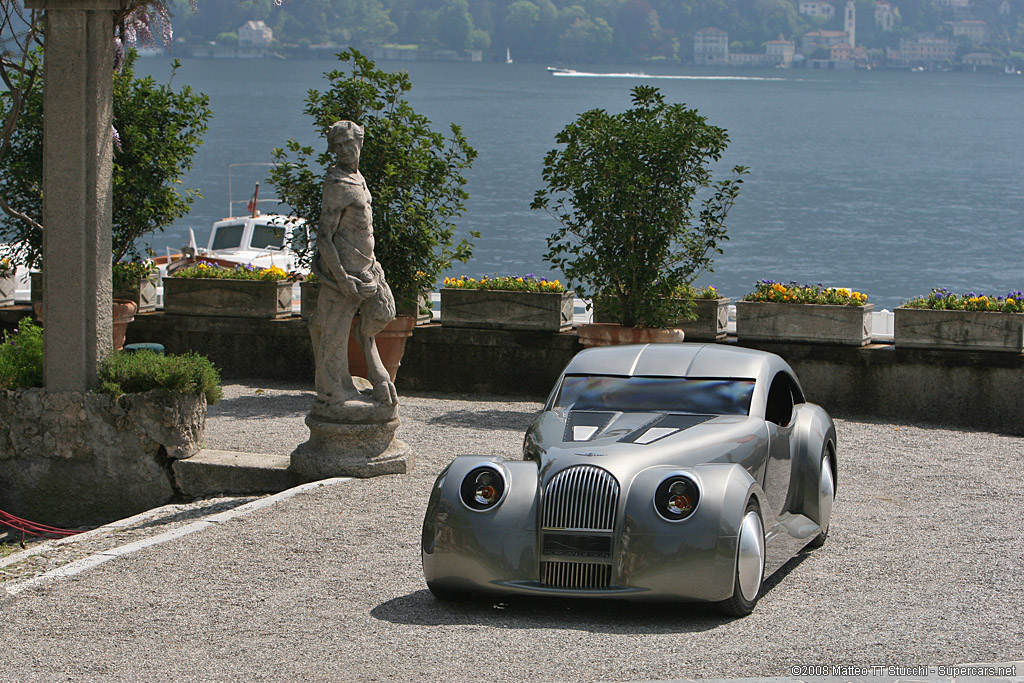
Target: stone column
<point>77,160</point>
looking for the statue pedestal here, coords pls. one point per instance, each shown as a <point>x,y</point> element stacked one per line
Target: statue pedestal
<point>350,450</point>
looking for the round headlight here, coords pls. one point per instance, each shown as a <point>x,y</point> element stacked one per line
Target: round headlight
<point>676,497</point>
<point>483,488</point>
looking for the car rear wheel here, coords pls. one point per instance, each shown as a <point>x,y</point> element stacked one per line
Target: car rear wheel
<point>826,496</point>
<point>750,552</point>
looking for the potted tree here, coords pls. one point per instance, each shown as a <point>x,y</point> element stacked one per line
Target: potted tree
<point>413,172</point>
<point>159,130</point>
<point>623,188</point>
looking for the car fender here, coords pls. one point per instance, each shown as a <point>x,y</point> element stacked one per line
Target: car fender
<point>462,547</point>
<point>696,556</point>
<point>814,430</point>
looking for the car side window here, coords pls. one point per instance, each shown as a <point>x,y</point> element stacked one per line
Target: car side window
<point>779,408</point>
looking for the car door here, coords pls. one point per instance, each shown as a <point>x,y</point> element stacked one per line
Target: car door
<point>779,411</point>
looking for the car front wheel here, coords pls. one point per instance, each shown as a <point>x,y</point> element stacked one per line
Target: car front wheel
<point>750,551</point>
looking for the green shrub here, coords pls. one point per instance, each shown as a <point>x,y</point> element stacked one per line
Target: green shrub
<point>126,373</point>
<point>21,356</point>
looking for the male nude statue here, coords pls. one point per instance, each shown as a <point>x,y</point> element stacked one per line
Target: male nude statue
<point>352,280</point>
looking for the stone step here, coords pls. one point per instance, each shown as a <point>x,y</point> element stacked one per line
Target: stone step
<point>211,472</point>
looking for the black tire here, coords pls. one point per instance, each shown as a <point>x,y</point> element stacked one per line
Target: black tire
<point>445,594</point>
<point>737,605</point>
<point>820,539</point>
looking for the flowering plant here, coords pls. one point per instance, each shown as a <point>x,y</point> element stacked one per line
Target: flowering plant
<point>6,267</point>
<point>239,272</point>
<point>128,274</point>
<point>691,292</point>
<point>942,299</point>
<point>509,283</point>
<point>797,293</point>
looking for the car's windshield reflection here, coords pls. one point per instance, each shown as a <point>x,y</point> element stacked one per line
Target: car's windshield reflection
<point>654,394</point>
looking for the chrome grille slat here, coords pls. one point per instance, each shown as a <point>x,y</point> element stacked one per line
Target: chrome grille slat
<point>576,575</point>
<point>581,497</point>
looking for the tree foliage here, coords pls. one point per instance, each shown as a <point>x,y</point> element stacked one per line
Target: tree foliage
<point>623,188</point>
<point>159,130</point>
<point>413,172</point>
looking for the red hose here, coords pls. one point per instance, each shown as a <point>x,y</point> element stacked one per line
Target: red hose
<point>32,528</point>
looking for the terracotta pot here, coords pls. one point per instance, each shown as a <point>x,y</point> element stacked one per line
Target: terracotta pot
<point>390,346</point>
<point>123,313</point>
<point>612,334</point>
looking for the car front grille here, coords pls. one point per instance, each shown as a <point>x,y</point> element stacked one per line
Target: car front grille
<point>581,497</point>
<point>576,575</point>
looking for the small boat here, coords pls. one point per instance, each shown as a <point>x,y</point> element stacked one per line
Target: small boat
<point>508,56</point>
<point>262,240</point>
<point>560,71</point>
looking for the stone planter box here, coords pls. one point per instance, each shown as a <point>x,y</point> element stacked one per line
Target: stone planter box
<point>923,328</point>
<point>231,298</point>
<point>501,310</point>
<point>143,294</point>
<point>309,293</point>
<point>804,323</point>
<point>712,317</point>
<point>83,459</point>
<point>7,287</point>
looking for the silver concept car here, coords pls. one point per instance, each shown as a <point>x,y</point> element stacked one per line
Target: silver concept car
<point>655,472</point>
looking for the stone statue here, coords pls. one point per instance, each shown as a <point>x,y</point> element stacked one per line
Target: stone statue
<point>352,284</point>
<point>353,421</point>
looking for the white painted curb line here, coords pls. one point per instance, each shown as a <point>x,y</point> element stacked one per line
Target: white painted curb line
<point>79,566</point>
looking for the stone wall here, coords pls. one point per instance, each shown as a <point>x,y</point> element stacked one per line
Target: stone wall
<point>74,459</point>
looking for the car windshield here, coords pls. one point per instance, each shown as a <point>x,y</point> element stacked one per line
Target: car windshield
<point>655,394</point>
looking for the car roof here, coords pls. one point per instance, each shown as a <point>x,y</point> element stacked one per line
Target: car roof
<point>675,360</point>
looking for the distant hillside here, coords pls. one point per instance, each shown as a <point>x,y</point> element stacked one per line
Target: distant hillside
<point>588,30</point>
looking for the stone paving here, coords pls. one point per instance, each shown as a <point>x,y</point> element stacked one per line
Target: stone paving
<point>325,584</point>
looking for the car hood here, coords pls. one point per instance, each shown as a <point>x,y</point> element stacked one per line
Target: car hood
<point>625,443</point>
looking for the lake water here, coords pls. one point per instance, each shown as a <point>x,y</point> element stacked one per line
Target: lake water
<point>887,182</point>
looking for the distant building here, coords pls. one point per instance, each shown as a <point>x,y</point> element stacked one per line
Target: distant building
<point>974,31</point>
<point>255,34</point>
<point>885,16</point>
<point>842,52</point>
<point>780,52</point>
<point>1004,8</point>
<point>927,51</point>
<point>748,59</point>
<point>976,59</point>
<point>960,9</point>
<point>711,47</point>
<point>809,42</point>
<point>816,8</point>
<point>850,22</point>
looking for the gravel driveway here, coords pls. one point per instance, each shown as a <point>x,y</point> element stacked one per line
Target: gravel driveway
<point>922,566</point>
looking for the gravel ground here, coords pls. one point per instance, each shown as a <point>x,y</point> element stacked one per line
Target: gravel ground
<point>922,567</point>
